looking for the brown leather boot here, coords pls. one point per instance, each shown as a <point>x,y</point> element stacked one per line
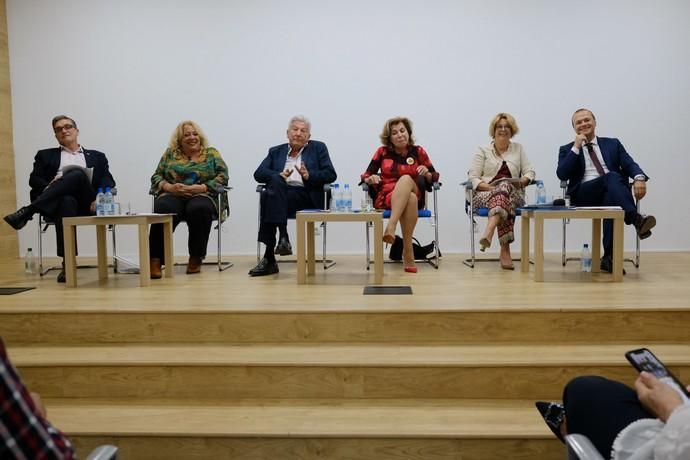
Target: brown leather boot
<point>194,265</point>
<point>156,272</point>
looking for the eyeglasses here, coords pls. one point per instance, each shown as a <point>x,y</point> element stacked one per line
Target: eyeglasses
<point>503,127</point>
<point>67,127</point>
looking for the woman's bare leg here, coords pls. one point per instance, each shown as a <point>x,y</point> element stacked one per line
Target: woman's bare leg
<point>408,222</point>
<point>399,200</point>
<point>506,258</point>
<point>491,227</point>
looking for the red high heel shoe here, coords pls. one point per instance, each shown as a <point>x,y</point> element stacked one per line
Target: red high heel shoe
<point>411,269</point>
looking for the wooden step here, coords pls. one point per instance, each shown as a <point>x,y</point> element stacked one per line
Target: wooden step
<point>509,371</point>
<point>366,429</point>
<point>535,325</point>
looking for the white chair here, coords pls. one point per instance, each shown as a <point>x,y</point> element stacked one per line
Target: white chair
<point>327,263</point>
<point>579,447</point>
<point>565,259</point>
<point>424,213</point>
<point>104,452</point>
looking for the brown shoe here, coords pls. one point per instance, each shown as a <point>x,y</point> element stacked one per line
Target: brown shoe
<point>194,265</point>
<point>156,272</point>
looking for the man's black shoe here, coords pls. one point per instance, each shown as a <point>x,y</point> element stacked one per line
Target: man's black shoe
<point>61,276</point>
<point>643,225</point>
<point>264,267</point>
<point>19,218</point>
<point>606,265</point>
<point>284,247</point>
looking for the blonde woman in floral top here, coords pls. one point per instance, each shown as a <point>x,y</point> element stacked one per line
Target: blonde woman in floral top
<point>186,182</point>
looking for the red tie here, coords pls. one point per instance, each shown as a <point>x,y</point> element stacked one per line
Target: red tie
<point>595,160</point>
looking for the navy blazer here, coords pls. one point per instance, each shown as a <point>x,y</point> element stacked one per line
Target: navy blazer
<point>571,167</point>
<point>315,158</point>
<point>47,163</point>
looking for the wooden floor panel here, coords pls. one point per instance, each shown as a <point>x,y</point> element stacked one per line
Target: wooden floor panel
<point>662,282</point>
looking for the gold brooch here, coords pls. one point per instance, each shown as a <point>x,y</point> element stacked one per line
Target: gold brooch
<point>410,160</point>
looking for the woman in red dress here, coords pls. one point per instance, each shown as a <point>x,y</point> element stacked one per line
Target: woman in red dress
<point>396,172</point>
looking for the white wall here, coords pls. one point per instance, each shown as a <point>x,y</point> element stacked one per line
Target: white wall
<point>129,70</point>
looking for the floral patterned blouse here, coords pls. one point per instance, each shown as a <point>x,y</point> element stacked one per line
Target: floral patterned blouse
<point>174,167</point>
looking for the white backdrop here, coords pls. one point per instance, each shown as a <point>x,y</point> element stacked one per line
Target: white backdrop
<point>129,70</point>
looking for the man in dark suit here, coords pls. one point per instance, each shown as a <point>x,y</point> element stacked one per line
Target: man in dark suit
<point>56,193</point>
<point>597,170</point>
<point>294,174</point>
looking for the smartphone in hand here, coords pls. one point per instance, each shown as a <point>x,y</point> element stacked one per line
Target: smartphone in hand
<point>644,360</point>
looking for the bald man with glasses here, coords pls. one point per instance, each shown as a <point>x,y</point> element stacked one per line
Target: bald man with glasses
<point>60,184</point>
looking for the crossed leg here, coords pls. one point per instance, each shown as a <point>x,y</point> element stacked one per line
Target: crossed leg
<point>403,210</point>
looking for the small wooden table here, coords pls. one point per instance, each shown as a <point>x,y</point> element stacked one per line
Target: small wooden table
<point>539,215</point>
<point>101,222</point>
<point>305,239</point>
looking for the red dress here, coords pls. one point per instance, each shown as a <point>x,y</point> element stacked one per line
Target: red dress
<point>390,166</point>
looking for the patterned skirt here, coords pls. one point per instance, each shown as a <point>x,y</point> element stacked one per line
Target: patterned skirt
<point>501,202</point>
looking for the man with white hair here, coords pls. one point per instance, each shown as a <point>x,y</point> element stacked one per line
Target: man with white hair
<point>294,174</point>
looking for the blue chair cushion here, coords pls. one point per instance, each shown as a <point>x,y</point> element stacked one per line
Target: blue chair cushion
<point>420,213</point>
<point>484,212</point>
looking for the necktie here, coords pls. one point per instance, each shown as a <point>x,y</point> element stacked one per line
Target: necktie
<point>595,160</point>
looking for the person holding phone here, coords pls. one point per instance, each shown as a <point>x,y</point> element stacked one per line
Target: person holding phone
<point>294,174</point>
<point>499,173</point>
<point>649,422</point>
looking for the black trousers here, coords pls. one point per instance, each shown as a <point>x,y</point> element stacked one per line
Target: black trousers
<point>279,201</point>
<point>67,197</point>
<point>198,211</point>
<point>611,189</point>
<point>600,408</point>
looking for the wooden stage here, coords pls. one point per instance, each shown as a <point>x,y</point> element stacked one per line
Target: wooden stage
<point>223,366</point>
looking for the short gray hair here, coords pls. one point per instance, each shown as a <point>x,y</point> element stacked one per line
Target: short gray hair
<point>302,119</point>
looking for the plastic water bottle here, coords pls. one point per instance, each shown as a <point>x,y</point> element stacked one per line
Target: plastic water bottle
<point>335,198</point>
<point>100,198</point>
<point>586,259</point>
<point>108,203</point>
<point>347,199</point>
<point>541,193</point>
<point>29,262</point>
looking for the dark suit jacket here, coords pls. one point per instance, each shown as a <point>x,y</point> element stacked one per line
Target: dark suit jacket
<point>316,159</point>
<point>47,162</point>
<point>571,167</point>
